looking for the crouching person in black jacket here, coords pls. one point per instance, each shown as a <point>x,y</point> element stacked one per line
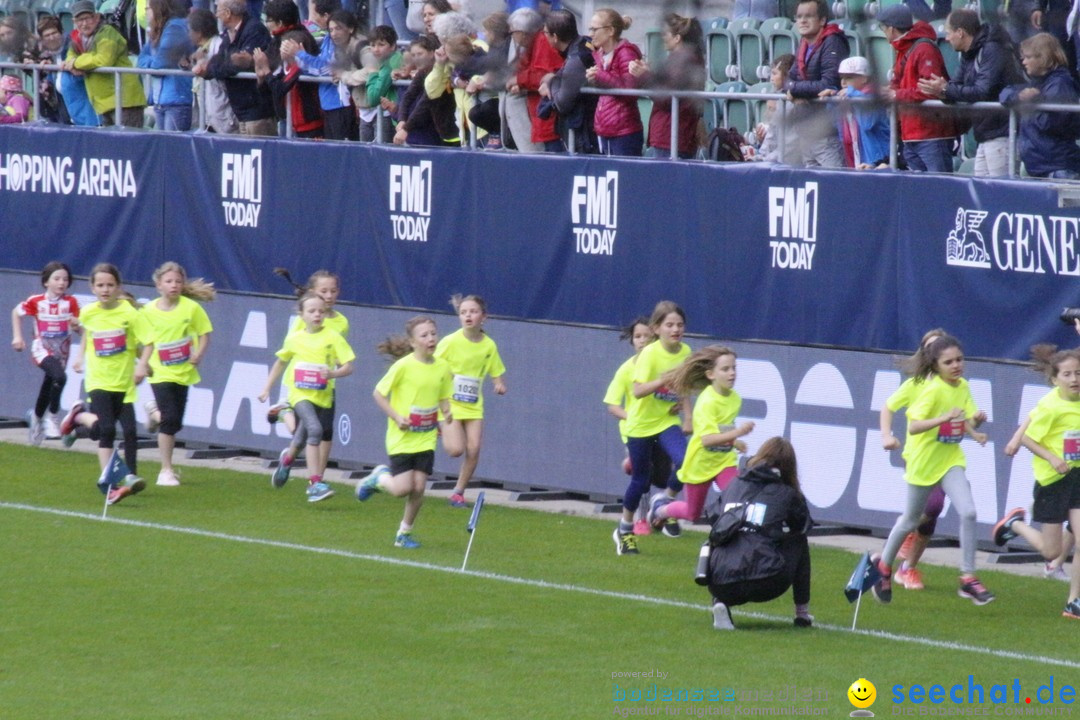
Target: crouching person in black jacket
<point>768,553</point>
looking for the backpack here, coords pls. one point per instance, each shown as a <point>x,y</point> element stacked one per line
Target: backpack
<point>725,145</point>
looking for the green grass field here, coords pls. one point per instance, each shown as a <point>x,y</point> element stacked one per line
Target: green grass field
<point>227,599</point>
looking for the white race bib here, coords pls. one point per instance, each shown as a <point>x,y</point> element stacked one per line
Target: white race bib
<point>466,389</point>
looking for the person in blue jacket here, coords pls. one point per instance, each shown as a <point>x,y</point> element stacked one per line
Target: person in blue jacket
<point>1047,139</point>
<point>169,47</point>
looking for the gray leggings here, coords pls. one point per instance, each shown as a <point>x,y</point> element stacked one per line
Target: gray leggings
<point>957,489</point>
<point>313,424</point>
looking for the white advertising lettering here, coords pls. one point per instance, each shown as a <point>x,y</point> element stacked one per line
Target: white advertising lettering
<point>57,175</point>
<point>241,188</point>
<point>793,223</point>
<point>410,201</point>
<point>1018,242</point>
<point>594,212</point>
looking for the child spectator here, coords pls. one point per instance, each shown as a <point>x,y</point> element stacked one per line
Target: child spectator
<point>766,136</point>
<point>282,77</point>
<point>373,89</point>
<point>421,120</point>
<point>15,105</point>
<point>864,130</point>
<point>203,33</point>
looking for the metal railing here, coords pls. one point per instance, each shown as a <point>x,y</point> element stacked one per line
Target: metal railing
<point>1014,113</point>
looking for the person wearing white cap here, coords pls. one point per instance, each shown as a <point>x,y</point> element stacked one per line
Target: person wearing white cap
<point>864,128</point>
<point>927,134</point>
<point>96,44</point>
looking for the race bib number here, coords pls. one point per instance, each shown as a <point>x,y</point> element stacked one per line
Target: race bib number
<point>110,342</point>
<point>951,432</point>
<point>423,419</point>
<point>466,389</point>
<point>726,447</point>
<point>53,326</point>
<point>1071,449</point>
<point>310,376</point>
<point>175,353</point>
<point>664,394</point>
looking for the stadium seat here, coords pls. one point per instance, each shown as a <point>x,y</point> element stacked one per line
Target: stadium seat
<point>875,6</point>
<point>952,58</point>
<point>851,32</point>
<point>645,108</point>
<point>20,9</point>
<point>879,52</point>
<point>757,107</point>
<point>964,167</point>
<point>749,49</point>
<point>853,10</point>
<point>760,9</point>
<point>655,52</point>
<point>62,9</point>
<point>716,23</point>
<point>721,56</point>
<point>38,8</point>
<point>779,37</point>
<point>735,112</point>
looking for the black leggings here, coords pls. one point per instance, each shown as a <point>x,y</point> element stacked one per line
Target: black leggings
<point>171,399</point>
<point>796,575</point>
<point>51,387</point>
<point>110,408</point>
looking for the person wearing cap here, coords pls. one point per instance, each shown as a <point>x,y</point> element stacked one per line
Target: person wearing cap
<point>927,134</point>
<point>864,129</point>
<point>988,64</point>
<point>15,105</point>
<point>252,104</point>
<point>817,64</point>
<point>96,44</point>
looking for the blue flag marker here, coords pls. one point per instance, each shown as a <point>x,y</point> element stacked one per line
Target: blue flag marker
<point>114,473</point>
<point>862,579</point>
<point>473,520</point>
<point>477,507</point>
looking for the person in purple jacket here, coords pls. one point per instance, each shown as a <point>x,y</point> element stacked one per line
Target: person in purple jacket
<point>617,121</point>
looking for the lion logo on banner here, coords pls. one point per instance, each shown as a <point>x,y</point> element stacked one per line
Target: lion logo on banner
<point>965,244</point>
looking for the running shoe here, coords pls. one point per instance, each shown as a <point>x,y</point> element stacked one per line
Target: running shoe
<point>52,427</point>
<point>721,617</point>
<point>318,491</point>
<point>67,425</point>
<point>457,500</point>
<point>117,494</point>
<point>905,548</point>
<point>658,501</point>
<point>1055,573</point>
<point>281,472</point>
<point>910,578</point>
<point>974,591</point>
<point>134,483</point>
<point>1072,609</point>
<point>406,540</point>
<point>642,527</point>
<point>168,478</point>
<point>882,589</point>
<point>36,432</point>
<point>1003,532</point>
<point>273,414</point>
<point>804,620</point>
<point>370,484</point>
<point>151,409</point>
<point>671,528</point>
<point>625,542</point>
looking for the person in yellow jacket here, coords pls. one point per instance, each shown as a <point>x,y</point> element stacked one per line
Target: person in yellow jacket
<point>96,44</point>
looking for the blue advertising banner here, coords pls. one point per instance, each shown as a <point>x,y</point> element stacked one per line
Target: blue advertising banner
<point>860,260</point>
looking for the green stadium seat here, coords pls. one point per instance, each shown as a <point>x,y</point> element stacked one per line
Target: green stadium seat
<point>716,23</point>
<point>655,52</point>
<point>39,8</point>
<point>880,53</point>
<point>645,108</point>
<point>758,106</point>
<point>780,38</point>
<point>721,56</point>
<point>875,6</point>
<point>735,112</point>
<point>851,32</point>
<point>62,9</point>
<point>749,49</point>
<point>20,9</point>
<point>952,58</point>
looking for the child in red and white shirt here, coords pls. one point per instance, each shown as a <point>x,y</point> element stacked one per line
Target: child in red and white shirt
<point>56,317</point>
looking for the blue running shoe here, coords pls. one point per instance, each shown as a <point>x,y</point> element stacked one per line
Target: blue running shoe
<point>134,483</point>
<point>405,540</point>
<point>370,484</point>
<point>281,473</point>
<point>318,491</point>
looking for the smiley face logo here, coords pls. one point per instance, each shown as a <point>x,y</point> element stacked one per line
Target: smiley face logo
<point>862,693</point>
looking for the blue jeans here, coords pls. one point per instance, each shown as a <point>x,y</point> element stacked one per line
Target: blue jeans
<point>624,145</point>
<point>672,442</point>
<point>175,118</point>
<point>929,155</point>
<point>394,13</point>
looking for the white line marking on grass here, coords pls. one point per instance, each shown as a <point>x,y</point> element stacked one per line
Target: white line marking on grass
<point>544,584</point>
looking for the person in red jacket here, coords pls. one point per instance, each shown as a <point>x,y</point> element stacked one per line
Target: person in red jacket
<point>537,61</point>
<point>617,121</point>
<point>927,134</point>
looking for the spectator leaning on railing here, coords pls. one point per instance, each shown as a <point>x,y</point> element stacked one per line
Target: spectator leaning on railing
<point>50,50</point>
<point>817,67</point>
<point>95,44</point>
<point>242,35</point>
<point>988,64</point>
<point>202,30</point>
<point>168,46</point>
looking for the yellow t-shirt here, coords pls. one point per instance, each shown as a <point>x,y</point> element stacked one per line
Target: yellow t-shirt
<point>415,389</point>
<point>337,322</point>
<point>310,357</point>
<point>929,455</point>
<point>713,413</point>
<point>470,362</point>
<point>1055,424</point>
<point>651,415</point>
<point>621,391</point>
<point>111,336</point>
<point>175,334</point>
<point>905,394</point>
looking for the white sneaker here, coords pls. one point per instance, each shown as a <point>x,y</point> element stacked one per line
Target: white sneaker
<point>721,617</point>
<point>167,478</point>
<point>36,432</point>
<point>52,427</point>
<point>1055,573</point>
<point>151,424</point>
